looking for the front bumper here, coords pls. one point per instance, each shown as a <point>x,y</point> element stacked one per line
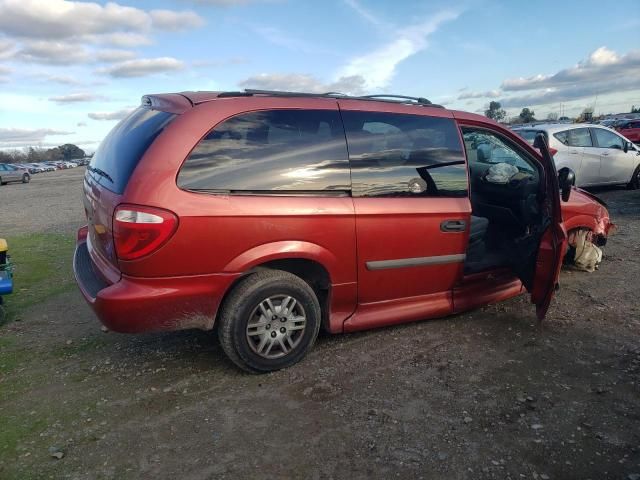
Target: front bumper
<point>134,304</point>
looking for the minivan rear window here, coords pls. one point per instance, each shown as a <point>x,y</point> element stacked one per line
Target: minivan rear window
<point>119,153</point>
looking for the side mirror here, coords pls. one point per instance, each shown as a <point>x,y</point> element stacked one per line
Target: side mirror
<point>566,179</point>
<point>626,147</point>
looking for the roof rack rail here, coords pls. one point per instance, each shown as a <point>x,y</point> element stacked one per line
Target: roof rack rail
<point>377,98</point>
<point>420,100</point>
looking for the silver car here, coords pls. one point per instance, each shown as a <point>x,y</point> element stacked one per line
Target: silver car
<point>10,173</point>
<point>597,155</point>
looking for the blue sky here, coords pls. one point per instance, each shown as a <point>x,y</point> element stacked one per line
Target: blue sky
<point>70,70</point>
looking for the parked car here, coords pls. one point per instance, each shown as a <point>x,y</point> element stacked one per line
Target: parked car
<point>597,155</point>
<point>270,215</point>
<point>630,129</point>
<point>35,168</point>
<point>11,173</point>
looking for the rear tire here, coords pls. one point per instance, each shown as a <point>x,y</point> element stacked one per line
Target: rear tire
<point>26,178</point>
<point>634,184</point>
<point>269,321</point>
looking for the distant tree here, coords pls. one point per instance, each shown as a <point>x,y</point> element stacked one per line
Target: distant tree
<point>495,111</point>
<point>70,151</point>
<point>5,157</point>
<point>527,116</point>
<point>635,109</point>
<point>552,117</point>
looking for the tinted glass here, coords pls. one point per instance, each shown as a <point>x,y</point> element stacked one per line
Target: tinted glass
<point>562,137</point>
<point>607,139</point>
<point>486,147</point>
<point>121,150</point>
<point>404,155</point>
<point>580,137</point>
<point>271,150</point>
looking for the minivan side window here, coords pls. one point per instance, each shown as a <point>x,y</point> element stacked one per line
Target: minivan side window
<point>271,151</point>
<point>400,155</point>
<point>580,137</point>
<point>607,139</point>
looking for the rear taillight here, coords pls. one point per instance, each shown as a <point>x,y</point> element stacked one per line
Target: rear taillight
<point>139,230</point>
<point>553,151</point>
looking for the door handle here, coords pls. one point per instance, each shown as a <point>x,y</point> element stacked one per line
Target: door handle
<point>605,154</point>
<point>453,226</point>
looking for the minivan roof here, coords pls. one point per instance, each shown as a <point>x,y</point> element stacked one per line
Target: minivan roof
<point>183,101</point>
<point>177,100</point>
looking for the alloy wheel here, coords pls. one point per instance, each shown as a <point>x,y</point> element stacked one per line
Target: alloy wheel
<point>276,326</point>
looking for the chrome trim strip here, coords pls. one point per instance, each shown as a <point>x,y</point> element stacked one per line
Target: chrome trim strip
<point>415,262</point>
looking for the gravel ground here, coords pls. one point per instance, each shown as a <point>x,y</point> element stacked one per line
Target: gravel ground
<point>51,203</point>
<point>488,394</point>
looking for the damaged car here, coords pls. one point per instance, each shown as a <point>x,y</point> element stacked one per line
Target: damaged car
<point>586,220</point>
<point>270,215</point>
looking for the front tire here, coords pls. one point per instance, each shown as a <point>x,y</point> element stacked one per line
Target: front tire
<point>269,321</point>
<point>634,184</point>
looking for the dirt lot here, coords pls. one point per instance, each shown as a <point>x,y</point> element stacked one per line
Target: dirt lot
<point>488,394</point>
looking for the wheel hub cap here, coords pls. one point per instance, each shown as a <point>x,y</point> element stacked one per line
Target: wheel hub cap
<point>276,326</point>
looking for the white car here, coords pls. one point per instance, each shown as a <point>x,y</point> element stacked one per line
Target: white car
<point>597,155</point>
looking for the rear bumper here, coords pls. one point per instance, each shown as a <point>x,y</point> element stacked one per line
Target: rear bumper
<point>134,305</point>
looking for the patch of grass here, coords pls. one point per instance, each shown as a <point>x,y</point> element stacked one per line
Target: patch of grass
<point>42,268</point>
<point>10,357</point>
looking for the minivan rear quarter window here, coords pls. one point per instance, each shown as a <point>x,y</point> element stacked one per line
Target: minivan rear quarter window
<point>119,153</point>
<point>271,151</point>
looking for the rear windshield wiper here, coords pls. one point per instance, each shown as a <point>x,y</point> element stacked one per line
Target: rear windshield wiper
<point>99,171</point>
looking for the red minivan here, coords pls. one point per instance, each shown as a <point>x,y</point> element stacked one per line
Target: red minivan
<point>269,215</point>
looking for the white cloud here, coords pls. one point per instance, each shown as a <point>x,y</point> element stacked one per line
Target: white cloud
<point>5,70</point>
<point>142,67</point>
<point>303,83</point>
<point>486,94</point>
<point>114,55</point>
<point>10,137</point>
<point>81,124</point>
<point>63,79</point>
<point>61,19</point>
<point>365,14</point>
<point>602,66</point>
<point>364,73</point>
<point>77,98</point>
<point>121,39</point>
<point>170,20</point>
<point>53,53</point>
<point>7,49</point>
<point>116,115</point>
<point>378,67</point>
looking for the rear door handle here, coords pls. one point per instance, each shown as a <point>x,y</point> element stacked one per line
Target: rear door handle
<point>453,226</point>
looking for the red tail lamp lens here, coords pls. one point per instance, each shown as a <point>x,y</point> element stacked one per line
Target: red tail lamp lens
<point>139,231</point>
